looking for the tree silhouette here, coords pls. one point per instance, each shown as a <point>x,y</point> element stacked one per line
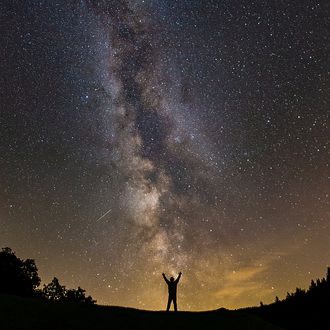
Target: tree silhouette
<point>54,291</point>
<point>78,296</point>
<point>20,277</point>
<point>17,276</point>
<point>302,309</point>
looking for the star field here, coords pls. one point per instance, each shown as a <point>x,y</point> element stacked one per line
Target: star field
<point>141,137</point>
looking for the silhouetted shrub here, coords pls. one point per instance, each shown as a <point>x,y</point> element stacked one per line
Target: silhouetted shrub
<point>78,296</point>
<point>54,291</point>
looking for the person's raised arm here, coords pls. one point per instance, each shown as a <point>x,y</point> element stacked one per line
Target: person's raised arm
<point>178,278</point>
<point>166,280</point>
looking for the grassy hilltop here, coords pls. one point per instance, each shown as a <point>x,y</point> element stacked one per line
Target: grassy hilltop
<point>28,313</point>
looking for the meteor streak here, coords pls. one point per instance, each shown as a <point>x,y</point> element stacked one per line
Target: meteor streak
<point>102,216</point>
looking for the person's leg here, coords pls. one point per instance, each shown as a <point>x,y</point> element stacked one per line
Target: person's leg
<point>174,303</point>
<point>168,303</point>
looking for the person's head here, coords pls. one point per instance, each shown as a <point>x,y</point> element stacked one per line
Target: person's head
<point>171,278</point>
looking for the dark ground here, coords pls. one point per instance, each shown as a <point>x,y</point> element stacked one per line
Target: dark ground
<point>27,313</point>
<point>294,317</point>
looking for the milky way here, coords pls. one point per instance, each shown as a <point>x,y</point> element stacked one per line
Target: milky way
<point>141,137</point>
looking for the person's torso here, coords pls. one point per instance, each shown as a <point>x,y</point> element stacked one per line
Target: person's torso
<point>172,288</point>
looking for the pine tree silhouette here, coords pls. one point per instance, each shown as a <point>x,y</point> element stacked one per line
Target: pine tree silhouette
<point>302,309</point>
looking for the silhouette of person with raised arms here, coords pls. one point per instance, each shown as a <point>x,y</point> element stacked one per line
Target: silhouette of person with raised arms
<point>172,285</point>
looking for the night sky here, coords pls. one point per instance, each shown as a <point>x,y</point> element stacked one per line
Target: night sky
<point>141,137</point>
